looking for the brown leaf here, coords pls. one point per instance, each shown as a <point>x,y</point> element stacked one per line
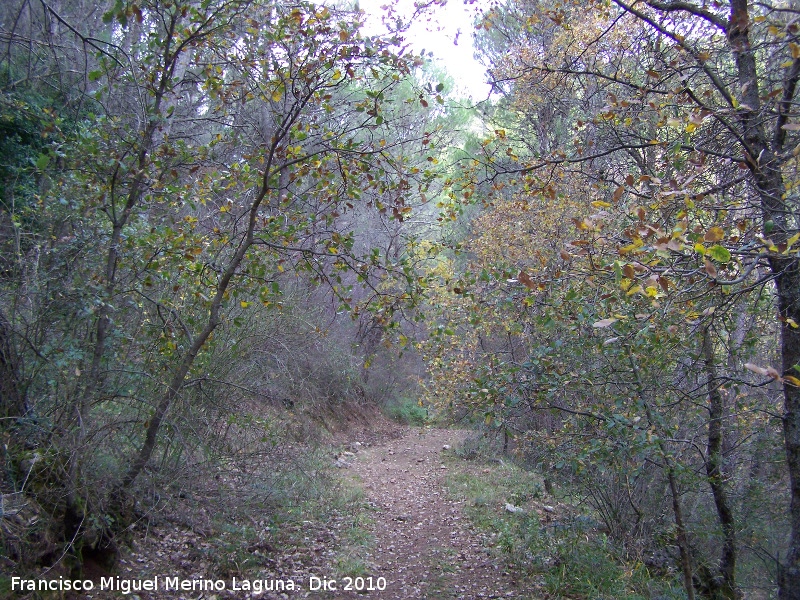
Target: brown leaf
<point>526,280</point>
<point>628,271</point>
<point>710,268</point>
<point>674,244</point>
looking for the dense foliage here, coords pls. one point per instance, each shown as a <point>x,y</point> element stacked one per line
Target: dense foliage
<point>605,255</point>
<point>178,179</point>
<point>626,306</point>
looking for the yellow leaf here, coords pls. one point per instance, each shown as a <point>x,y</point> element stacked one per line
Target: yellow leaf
<point>601,204</point>
<point>276,96</point>
<point>714,234</point>
<point>337,75</point>
<point>792,380</point>
<point>792,323</point>
<point>635,289</point>
<point>244,304</point>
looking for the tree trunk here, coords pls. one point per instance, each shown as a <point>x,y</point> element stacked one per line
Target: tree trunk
<point>12,399</point>
<point>680,526</point>
<point>762,158</point>
<point>726,583</point>
<point>788,286</point>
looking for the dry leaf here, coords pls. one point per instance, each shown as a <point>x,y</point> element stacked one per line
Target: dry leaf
<point>604,323</point>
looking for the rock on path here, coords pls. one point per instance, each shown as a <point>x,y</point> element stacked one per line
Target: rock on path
<point>424,546</point>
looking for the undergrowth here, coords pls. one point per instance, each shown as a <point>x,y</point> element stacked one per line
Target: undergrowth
<point>407,412</point>
<point>557,547</point>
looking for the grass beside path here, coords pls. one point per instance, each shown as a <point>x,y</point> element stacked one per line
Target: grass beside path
<point>546,542</point>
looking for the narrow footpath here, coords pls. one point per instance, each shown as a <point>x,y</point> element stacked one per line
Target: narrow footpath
<point>424,546</point>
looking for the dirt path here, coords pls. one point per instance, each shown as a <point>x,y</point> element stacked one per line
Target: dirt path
<point>424,547</point>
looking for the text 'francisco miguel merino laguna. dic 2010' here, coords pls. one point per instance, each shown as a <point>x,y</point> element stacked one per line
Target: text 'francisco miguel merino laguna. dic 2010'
<point>154,584</point>
<point>176,584</point>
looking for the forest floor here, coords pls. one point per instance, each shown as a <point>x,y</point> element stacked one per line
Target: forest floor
<point>394,522</point>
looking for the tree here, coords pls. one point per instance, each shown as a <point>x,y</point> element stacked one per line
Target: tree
<point>218,151</point>
<point>670,123</point>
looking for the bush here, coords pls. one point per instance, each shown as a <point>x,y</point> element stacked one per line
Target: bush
<point>407,412</point>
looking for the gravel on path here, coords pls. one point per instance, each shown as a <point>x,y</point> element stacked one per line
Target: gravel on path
<point>424,545</point>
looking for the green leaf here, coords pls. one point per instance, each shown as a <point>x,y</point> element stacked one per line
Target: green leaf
<point>42,161</point>
<point>95,75</point>
<point>719,253</point>
<point>440,87</point>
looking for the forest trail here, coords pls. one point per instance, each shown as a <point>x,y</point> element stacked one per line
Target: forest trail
<point>423,544</point>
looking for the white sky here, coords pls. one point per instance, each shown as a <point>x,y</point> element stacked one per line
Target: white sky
<point>447,32</point>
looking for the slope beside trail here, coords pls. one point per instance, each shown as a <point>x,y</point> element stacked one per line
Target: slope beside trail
<point>423,544</point>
